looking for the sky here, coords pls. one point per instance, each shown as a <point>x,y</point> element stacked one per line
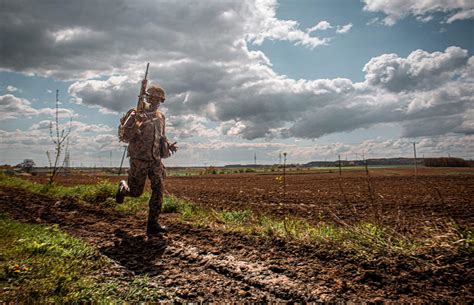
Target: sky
<point>313,78</point>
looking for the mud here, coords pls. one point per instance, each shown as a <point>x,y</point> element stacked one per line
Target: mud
<point>203,264</point>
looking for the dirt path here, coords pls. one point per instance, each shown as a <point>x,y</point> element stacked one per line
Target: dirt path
<point>200,264</point>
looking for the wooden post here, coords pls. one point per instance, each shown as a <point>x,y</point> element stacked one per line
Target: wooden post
<point>284,173</point>
<point>340,172</point>
<point>414,155</point>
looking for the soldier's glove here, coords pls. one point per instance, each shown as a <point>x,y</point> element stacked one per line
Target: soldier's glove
<point>173,148</point>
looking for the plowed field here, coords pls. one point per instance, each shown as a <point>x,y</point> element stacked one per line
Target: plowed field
<point>207,264</point>
<point>390,196</point>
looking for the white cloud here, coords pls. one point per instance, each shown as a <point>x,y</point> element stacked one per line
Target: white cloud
<point>187,126</point>
<point>88,143</point>
<point>12,107</point>
<point>57,41</point>
<point>462,15</point>
<point>423,10</point>
<point>321,26</point>
<point>12,89</point>
<point>263,24</point>
<point>254,102</point>
<point>420,70</point>
<point>116,93</point>
<point>77,128</point>
<point>344,29</point>
<point>214,82</point>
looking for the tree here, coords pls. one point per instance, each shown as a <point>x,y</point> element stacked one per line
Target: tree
<point>27,165</point>
<point>58,136</point>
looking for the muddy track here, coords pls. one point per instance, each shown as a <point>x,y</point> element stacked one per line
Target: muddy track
<point>202,264</point>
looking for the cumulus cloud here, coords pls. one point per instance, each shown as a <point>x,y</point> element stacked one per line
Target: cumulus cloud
<point>88,143</point>
<point>214,82</point>
<point>59,41</point>
<point>116,93</point>
<point>263,24</point>
<point>422,10</point>
<point>321,26</point>
<point>187,126</point>
<point>12,107</point>
<point>344,29</point>
<point>12,89</point>
<point>76,126</point>
<point>258,103</point>
<point>420,70</point>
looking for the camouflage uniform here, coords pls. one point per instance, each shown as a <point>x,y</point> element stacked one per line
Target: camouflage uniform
<point>147,146</point>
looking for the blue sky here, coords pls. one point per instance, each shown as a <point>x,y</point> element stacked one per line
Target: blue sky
<point>311,78</point>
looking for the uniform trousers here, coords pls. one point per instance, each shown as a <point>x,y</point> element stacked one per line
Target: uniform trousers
<point>155,171</point>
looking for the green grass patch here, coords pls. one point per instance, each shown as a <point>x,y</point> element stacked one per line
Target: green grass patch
<point>235,217</point>
<point>100,193</point>
<point>44,265</point>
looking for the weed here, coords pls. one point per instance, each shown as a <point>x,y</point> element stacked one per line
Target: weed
<point>171,204</point>
<point>235,217</point>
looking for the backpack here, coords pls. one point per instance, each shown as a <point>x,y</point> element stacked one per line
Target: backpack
<point>121,127</point>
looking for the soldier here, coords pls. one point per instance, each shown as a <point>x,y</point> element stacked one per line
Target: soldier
<point>145,132</point>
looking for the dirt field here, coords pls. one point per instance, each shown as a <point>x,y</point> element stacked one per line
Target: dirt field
<point>391,196</point>
<point>201,264</point>
<point>204,264</point>
<point>394,199</point>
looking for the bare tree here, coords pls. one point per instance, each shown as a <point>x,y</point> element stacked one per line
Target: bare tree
<point>58,136</point>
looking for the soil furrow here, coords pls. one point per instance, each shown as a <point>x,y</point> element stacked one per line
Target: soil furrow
<point>207,264</point>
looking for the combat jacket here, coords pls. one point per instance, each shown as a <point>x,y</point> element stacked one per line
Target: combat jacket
<point>147,142</point>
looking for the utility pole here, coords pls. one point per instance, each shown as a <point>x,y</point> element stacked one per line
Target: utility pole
<point>340,172</point>
<point>414,157</point>
<point>284,173</point>
<point>279,159</point>
<point>255,159</point>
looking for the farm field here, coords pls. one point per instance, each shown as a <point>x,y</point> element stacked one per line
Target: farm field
<point>200,261</point>
<point>391,196</point>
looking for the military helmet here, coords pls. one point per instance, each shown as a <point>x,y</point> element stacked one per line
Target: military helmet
<point>156,91</point>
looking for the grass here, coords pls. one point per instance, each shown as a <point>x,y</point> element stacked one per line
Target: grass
<point>102,193</point>
<point>44,265</point>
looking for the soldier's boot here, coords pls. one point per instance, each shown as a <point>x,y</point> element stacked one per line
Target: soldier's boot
<point>155,229</point>
<point>121,191</point>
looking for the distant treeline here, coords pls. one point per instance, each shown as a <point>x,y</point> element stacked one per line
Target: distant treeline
<point>447,162</point>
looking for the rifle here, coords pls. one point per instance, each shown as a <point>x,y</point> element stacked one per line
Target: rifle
<point>141,97</point>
